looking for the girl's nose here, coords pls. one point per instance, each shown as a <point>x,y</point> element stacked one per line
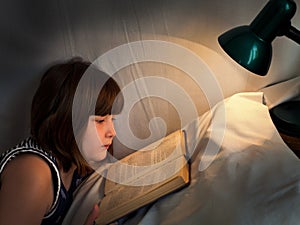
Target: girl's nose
<point>111,132</point>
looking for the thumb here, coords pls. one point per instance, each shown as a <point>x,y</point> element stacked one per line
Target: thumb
<point>92,215</point>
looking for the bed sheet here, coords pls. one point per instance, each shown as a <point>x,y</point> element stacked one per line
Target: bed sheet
<point>241,170</point>
<point>253,179</point>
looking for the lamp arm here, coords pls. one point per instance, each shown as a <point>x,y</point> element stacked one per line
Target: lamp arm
<point>294,34</point>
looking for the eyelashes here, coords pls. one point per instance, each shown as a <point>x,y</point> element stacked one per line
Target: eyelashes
<point>102,119</point>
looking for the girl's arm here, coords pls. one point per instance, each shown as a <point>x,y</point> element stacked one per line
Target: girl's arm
<point>26,192</point>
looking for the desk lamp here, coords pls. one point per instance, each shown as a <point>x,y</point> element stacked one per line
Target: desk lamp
<point>250,46</point>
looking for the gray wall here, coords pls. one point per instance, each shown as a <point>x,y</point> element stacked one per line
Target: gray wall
<point>36,33</point>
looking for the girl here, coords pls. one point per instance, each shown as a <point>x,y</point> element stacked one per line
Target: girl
<point>38,176</point>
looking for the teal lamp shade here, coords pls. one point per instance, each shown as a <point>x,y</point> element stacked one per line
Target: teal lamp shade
<point>247,49</point>
<point>251,45</point>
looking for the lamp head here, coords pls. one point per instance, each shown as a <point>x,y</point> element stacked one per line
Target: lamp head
<point>251,45</point>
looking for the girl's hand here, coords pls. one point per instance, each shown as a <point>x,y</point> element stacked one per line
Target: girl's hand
<point>90,220</point>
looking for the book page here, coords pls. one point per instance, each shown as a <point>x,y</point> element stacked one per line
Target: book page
<point>124,193</point>
<point>144,161</point>
<point>164,169</point>
<point>157,151</point>
<point>159,175</point>
<point>120,196</point>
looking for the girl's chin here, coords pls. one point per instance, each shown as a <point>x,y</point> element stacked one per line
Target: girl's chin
<point>99,157</point>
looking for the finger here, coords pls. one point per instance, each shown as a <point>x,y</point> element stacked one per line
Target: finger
<point>92,215</point>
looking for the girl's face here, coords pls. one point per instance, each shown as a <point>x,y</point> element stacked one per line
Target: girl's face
<point>97,138</point>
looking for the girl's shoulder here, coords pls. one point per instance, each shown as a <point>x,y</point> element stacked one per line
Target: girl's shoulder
<point>29,165</point>
<point>31,161</point>
<point>26,146</point>
<point>26,178</point>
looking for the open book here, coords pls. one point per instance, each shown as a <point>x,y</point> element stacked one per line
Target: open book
<point>144,176</point>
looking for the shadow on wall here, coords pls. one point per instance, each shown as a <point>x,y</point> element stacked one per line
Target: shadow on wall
<point>34,34</point>
<point>15,113</point>
<point>27,46</point>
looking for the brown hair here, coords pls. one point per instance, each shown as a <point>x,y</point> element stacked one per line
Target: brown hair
<point>60,99</point>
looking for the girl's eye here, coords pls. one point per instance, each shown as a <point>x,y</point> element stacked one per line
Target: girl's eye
<point>99,119</point>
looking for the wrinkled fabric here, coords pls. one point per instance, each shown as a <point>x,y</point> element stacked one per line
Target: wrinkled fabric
<point>254,178</point>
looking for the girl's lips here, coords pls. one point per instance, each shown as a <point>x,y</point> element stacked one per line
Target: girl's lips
<point>106,146</point>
